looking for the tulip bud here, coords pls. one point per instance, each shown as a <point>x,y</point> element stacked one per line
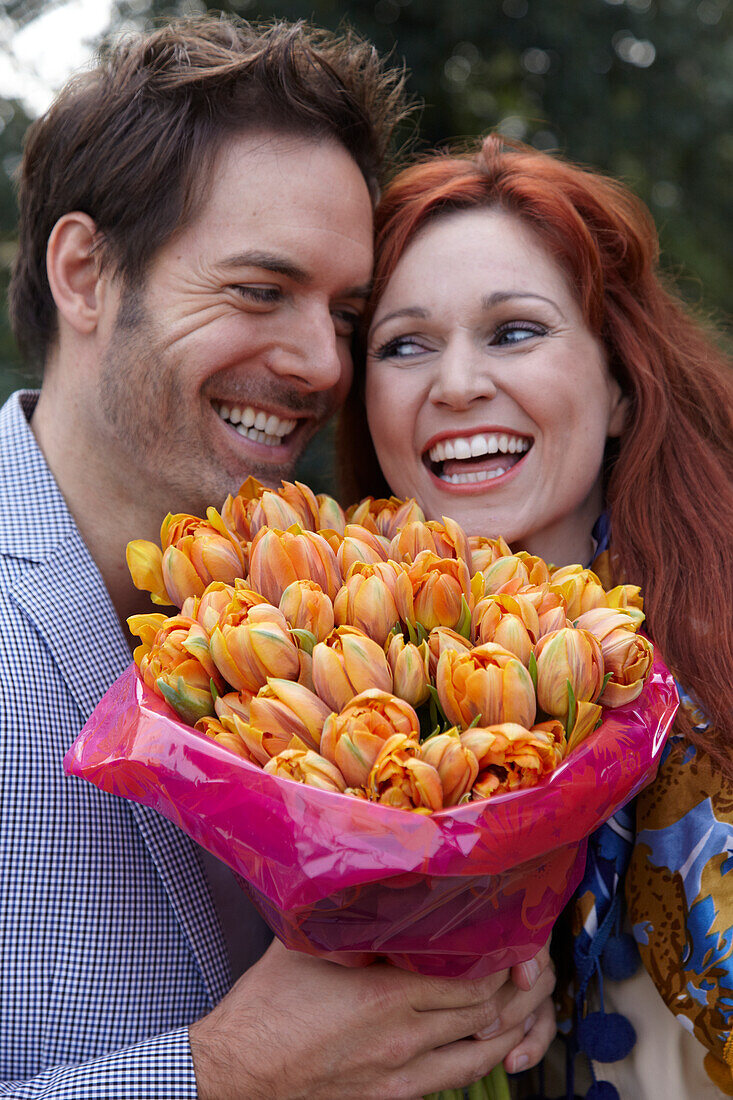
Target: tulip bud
<point>385,517</point>
<point>248,647</point>
<point>567,656</point>
<point>307,607</point>
<point>587,717</point>
<point>506,574</point>
<point>238,510</point>
<point>330,514</point>
<point>304,502</point>
<point>197,552</point>
<point>511,757</point>
<point>234,702</point>
<point>366,601</point>
<point>410,670</point>
<point>626,655</point>
<point>274,511</point>
<point>306,766</point>
<point>289,710</point>
<point>510,621</point>
<point>360,545</point>
<point>347,663</point>
<point>441,638</point>
<point>580,588</point>
<point>231,740</point>
<point>456,765</point>
<point>438,594</point>
<point>485,551</point>
<point>487,683</point>
<point>277,558</point>
<point>353,739</point>
<point>401,779</point>
<point>176,664</point>
<point>145,562</point>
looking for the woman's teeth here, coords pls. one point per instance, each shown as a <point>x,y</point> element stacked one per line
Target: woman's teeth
<point>255,424</point>
<point>476,445</point>
<point>474,476</point>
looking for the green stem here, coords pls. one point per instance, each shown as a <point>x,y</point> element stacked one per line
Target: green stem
<point>497,1084</point>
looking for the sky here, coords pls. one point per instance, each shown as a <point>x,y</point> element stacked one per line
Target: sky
<point>36,60</point>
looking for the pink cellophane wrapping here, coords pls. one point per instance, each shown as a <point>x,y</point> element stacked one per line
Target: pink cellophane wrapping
<point>463,892</point>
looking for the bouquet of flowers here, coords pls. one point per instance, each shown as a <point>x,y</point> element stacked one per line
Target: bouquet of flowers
<point>399,736</point>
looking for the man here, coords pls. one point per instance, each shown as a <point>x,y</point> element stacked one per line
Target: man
<point>195,249</point>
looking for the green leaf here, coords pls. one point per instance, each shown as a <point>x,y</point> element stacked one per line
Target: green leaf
<point>606,678</point>
<point>212,689</point>
<point>572,710</point>
<point>306,639</point>
<point>475,722</point>
<point>411,633</point>
<point>533,670</point>
<point>422,634</point>
<point>463,626</point>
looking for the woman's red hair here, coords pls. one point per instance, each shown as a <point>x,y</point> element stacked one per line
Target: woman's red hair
<point>669,488</point>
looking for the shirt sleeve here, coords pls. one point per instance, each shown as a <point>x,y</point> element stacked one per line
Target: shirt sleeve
<point>160,1068</point>
<point>679,893</point>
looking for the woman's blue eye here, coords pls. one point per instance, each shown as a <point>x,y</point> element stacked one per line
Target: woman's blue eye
<point>518,332</point>
<point>400,348</point>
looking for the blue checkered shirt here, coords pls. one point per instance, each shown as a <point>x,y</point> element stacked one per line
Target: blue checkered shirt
<point>109,938</point>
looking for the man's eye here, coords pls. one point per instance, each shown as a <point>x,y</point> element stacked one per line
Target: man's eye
<point>263,295</point>
<point>517,332</point>
<point>401,347</point>
<point>345,321</point>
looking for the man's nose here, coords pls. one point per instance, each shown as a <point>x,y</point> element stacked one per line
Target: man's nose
<point>311,354</point>
<point>463,374</point>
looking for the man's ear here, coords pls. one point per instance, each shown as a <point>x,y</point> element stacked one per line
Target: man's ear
<point>73,271</point>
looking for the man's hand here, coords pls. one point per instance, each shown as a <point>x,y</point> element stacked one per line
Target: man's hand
<point>299,1028</point>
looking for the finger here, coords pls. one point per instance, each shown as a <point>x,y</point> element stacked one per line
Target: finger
<point>524,975</point>
<point>514,1005</point>
<point>455,1066</point>
<point>535,1043</point>
<point>429,994</point>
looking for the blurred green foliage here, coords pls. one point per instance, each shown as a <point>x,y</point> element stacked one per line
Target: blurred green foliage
<point>642,89</point>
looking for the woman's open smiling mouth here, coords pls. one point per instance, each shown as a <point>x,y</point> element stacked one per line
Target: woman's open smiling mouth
<point>475,459</point>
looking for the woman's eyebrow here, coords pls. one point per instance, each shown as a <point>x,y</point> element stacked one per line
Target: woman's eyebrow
<point>408,311</point>
<point>500,296</point>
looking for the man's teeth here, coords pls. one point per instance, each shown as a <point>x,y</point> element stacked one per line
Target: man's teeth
<point>476,445</point>
<point>256,424</point>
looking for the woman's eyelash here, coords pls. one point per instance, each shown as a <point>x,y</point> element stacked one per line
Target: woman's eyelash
<point>532,327</point>
<point>392,347</point>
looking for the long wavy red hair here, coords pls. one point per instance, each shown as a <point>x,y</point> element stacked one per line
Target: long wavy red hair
<point>669,486</point>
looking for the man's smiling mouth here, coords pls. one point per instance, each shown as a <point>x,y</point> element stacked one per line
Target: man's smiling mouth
<point>254,423</point>
<point>472,459</point>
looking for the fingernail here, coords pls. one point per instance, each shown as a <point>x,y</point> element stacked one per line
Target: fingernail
<point>521,1063</point>
<point>531,971</point>
<point>490,1031</point>
<point>528,1024</point>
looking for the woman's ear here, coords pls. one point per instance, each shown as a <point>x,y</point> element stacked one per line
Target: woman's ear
<point>73,271</point>
<point>619,411</point>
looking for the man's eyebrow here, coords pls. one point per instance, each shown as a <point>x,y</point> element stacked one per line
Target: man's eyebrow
<point>270,261</point>
<point>281,265</point>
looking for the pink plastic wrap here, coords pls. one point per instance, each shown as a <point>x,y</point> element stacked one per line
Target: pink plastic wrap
<point>463,892</point>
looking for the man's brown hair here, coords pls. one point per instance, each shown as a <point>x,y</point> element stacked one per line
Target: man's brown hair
<point>132,142</point>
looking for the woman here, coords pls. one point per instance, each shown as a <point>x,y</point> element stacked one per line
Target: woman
<point>528,374</point>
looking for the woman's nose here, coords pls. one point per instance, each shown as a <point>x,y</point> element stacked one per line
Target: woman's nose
<point>463,375</point>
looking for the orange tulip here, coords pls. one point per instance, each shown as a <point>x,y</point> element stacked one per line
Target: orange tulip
<point>306,766</point>
<point>197,552</point>
<point>231,740</point>
<point>488,683</point>
<point>506,574</point>
<point>304,502</point>
<point>444,540</point>
<point>587,716</point>
<point>580,588</point>
<point>330,514</point>
<point>549,605</point>
<point>511,757</point>
<point>485,551</point>
<point>410,670</point>
<point>441,638</point>
<point>438,592</point>
<point>248,646</point>
<point>288,709</point>
<point>277,558</point>
<point>353,739</point>
<point>401,779</point>
<point>626,656</point>
<point>360,545</point>
<point>347,663</point>
<point>510,621</point>
<point>238,510</point>
<point>366,601</point>
<point>307,607</point>
<point>175,662</point>
<point>234,702</point>
<point>456,764</point>
<point>145,563</point>
<point>385,517</point>
<point>567,656</point>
